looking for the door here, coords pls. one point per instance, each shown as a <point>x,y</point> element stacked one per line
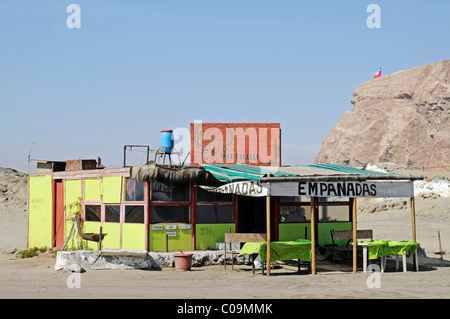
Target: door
<point>59,214</point>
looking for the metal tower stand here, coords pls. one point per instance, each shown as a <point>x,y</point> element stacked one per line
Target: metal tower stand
<point>169,154</point>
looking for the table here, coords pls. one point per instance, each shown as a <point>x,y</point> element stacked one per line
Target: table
<point>299,249</point>
<point>381,248</point>
<point>402,248</point>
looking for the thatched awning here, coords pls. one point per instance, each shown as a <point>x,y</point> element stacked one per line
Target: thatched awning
<point>176,175</point>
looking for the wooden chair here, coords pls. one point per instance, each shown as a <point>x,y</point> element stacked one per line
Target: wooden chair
<point>340,252</point>
<point>239,238</point>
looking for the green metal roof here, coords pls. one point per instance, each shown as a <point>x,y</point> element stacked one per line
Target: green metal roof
<point>238,172</point>
<point>348,169</point>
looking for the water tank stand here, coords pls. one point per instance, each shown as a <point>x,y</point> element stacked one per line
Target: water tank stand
<point>169,154</point>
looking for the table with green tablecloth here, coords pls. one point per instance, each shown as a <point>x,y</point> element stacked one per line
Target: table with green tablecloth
<point>381,248</point>
<point>299,249</point>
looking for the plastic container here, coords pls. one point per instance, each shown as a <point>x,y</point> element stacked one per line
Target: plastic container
<point>166,141</point>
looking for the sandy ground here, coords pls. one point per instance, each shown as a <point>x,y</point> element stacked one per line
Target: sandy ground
<point>36,278</point>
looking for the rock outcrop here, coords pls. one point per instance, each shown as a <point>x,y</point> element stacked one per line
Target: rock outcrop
<point>400,118</point>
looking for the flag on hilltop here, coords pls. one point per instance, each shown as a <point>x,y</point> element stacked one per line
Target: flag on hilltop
<point>379,74</point>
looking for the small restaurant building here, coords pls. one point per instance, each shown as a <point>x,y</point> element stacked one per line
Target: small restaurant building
<point>158,207</point>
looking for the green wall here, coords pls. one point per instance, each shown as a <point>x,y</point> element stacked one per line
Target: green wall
<point>293,231</point>
<point>325,235</point>
<point>182,241</point>
<point>206,235</point>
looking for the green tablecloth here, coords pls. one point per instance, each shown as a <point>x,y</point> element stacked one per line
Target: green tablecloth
<point>286,250</point>
<point>380,248</point>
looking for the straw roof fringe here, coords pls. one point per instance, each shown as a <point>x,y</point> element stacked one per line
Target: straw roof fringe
<point>178,175</point>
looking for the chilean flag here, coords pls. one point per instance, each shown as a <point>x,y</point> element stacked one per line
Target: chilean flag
<point>379,74</point>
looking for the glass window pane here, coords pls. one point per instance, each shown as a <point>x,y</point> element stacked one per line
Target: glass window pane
<point>169,192</point>
<point>205,196</point>
<point>134,191</point>
<point>295,214</point>
<point>134,214</point>
<point>333,199</point>
<point>214,214</point>
<point>93,213</point>
<point>112,213</point>
<point>170,214</point>
<point>294,199</point>
<point>334,214</point>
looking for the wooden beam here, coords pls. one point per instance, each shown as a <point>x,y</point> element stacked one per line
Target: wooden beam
<point>355,238</point>
<point>313,238</point>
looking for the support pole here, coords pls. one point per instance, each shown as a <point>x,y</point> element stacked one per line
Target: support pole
<point>313,237</point>
<point>355,239</point>
<point>413,225</point>
<point>268,231</point>
<point>413,218</point>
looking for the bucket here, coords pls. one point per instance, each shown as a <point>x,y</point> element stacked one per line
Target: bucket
<point>166,141</point>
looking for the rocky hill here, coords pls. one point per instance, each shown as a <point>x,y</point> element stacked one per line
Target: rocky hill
<point>401,118</point>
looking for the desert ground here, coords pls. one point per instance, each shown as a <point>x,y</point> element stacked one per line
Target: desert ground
<point>35,278</point>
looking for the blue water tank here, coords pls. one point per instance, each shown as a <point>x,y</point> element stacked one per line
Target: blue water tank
<point>166,141</point>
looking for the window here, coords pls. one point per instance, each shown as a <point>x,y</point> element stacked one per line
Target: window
<point>214,214</point>
<point>205,196</point>
<point>112,213</point>
<point>169,192</point>
<point>170,214</point>
<point>134,191</point>
<point>334,214</point>
<point>134,214</point>
<point>93,213</point>
<point>295,199</point>
<point>295,214</point>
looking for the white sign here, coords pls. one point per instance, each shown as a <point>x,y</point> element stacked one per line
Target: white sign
<point>171,227</point>
<point>247,188</point>
<point>343,189</point>
<point>157,227</point>
<point>171,234</point>
<point>185,226</point>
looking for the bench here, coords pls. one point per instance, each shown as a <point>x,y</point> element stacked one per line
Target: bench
<point>339,252</point>
<point>239,238</point>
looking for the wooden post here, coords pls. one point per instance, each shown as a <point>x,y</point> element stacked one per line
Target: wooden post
<point>413,218</point>
<point>167,243</point>
<point>313,238</point>
<point>355,243</point>
<point>413,225</point>
<point>268,231</point>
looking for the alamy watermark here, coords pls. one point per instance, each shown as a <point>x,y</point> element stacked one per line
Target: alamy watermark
<point>74,280</point>
<point>374,19</point>
<point>74,18</point>
<point>374,279</point>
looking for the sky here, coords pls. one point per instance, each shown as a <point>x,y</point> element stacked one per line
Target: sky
<point>133,68</point>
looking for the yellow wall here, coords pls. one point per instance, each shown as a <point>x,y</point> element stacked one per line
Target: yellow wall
<point>133,236</point>
<point>112,239</point>
<point>111,189</point>
<point>40,211</point>
<point>92,189</point>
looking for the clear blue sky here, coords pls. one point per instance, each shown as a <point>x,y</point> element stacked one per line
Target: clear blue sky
<point>135,68</point>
